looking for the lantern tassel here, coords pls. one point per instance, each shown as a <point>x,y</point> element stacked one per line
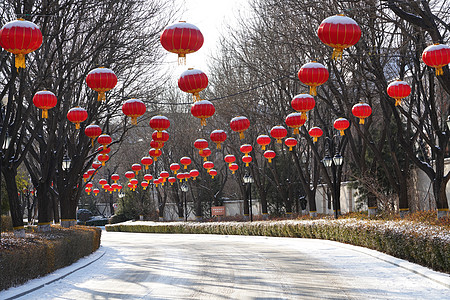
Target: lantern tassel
<point>44,114</point>
<point>103,163</point>
<point>232,172</point>
<point>196,96</point>
<point>313,90</point>
<point>341,132</point>
<point>92,140</point>
<point>185,166</point>
<point>270,160</point>
<point>263,147</point>
<point>171,183</point>
<point>203,121</point>
<point>439,71</point>
<point>146,167</point>
<point>314,139</point>
<point>290,148</point>
<point>204,159</point>
<point>175,172</point>
<point>361,121</point>
<point>337,53</point>
<point>296,131</point>
<point>133,120</point>
<point>246,164</point>
<point>218,146</point>
<point>194,178</point>
<point>181,59</point>
<point>398,102</point>
<point>77,125</point>
<point>159,134</point>
<point>212,177</point>
<point>279,141</point>
<point>20,61</point>
<point>241,135</point>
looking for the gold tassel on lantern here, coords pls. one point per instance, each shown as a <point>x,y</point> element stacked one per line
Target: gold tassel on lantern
<point>263,147</point>
<point>219,146</point>
<point>159,134</point>
<point>20,61</point>
<point>134,120</point>
<point>398,102</point>
<point>44,114</point>
<point>439,71</point>
<point>77,125</point>
<point>337,53</point>
<point>290,148</point>
<point>296,131</point>
<point>279,141</point>
<point>361,121</point>
<point>241,135</point>
<point>313,91</point>
<point>203,121</point>
<point>101,96</point>
<point>341,132</point>
<point>314,139</point>
<point>204,159</point>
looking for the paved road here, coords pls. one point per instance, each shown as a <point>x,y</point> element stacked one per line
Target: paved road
<point>157,266</point>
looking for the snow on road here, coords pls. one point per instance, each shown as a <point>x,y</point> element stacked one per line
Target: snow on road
<point>173,266</point>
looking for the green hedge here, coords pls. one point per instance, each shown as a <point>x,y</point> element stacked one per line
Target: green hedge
<point>422,244</point>
<point>38,254</point>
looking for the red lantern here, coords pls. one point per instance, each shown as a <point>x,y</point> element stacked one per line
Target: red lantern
<point>20,37</point>
<point>229,159</point>
<point>92,131</point>
<point>437,56</point>
<point>77,115</point>
<point>361,111</point>
<point>146,161</point>
<point>240,124</point>
<point>180,176</point>
<point>155,153</point>
<point>187,175</point>
<point>247,160</point>
<point>181,38</point>
<point>233,167</point>
<point>213,172</point>
<point>96,164</point>
<point>130,186</point>
<point>341,124</point>
<point>269,154</point>
<point>315,132</point>
<point>114,186</point>
<point>134,108</point>
<point>101,80</point>
<point>103,158</point>
<point>144,184</point>
<point>102,182</point>
<point>86,176</point>
<point>194,174</point>
<point>174,167</point>
<point>303,103</point>
<point>295,120</point>
<point>246,149</point>
<point>87,190</point>
<point>115,177</point>
<point>202,109</point>
<point>205,153</point>
<point>172,180</point>
<point>96,191</point>
<point>104,140</point>
<point>160,137</point>
<point>136,168</point>
<point>89,185</point>
<point>156,145</point>
<point>398,90</point>
<point>263,140</point>
<point>290,142</point>
<point>164,174</point>
<point>313,74</point>
<point>185,161</point>
<point>200,144</point>
<point>134,182</point>
<point>339,32</point>
<point>218,136</point>
<point>129,174</point>
<point>148,177</point>
<point>278,133</point>
<point>44,100</point>
<point>159,123</point>
<point>193,81</point>
<point>208,165</point>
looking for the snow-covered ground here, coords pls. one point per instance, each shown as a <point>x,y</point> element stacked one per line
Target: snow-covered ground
<point>173,266</point>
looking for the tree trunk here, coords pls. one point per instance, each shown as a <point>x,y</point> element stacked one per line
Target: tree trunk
<point>14,204</point>
<point>44,207</point>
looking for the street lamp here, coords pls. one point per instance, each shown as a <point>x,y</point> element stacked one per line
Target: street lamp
<point>66,163</point>
<point>448,122</point>
<point>248,179</point>
<point>184,189</point>
<point>334,163</point>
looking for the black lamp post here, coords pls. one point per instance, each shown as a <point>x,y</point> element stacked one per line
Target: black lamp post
<point>334,163</point>
<point>248,179</point>
<point>184,189</point>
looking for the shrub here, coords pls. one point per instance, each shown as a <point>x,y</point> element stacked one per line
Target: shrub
<point>117,219</point>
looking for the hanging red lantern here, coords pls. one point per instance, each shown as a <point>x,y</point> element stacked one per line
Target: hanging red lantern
<point>246,149</point>
<point>164,174</point>
<point>20,38</point>
<point>247,160</point>
<point>185,161</point>
<point>77,115</point>
<point>213,173</point>
<point>144,185</point>
<point>155,153</point>
<point>180,176</point>
<point>114,186</point>
<point>202,109</point>
<point>315,133</point>
<point>208,165</point>
<point>146,161</point>
<point>160,137</point>
<point>85,176</point>
<point>313,74</point>
<point>233,167</point>
<point>44,100</point>
<point>156,145</point>
<point>205,153</point>
<point>194,174</point>
<point>101,80</point>
<point>134,108</point>
<point>182,38</point>
<point>130,186</point>
<point>303,103</point>
<point>96,191</point>
<point>92,131</point>
<point>437,56</point>
<point>187,175</point>
<point>269,154</point>
<point>159,123</point>
<point>200,144</point>
<point>91,172</point>
<point>218,136</point>
<point>290,142</point>
<point>104,140</point>
<point>193,81</point>
<point>115,177</point>
<point>87,190</point>
<point>240,124</point>
<point>148,177</point>
<point>134,182</point>
<point>229,159</point>
<point>341,124</point>
<point>102,182</point>
<point>339,32</point>
<point>103,158</point>
<point>398,90</point>
<point>136,168</point>
<point>174,168</point>
<point>263,140</point>
<point>96,164</point>
<point>129,174</point>
<point>89,185</point>
<point>106,187</point>
<point>295,120</point>
<point>278,133</point>
<point>172,180</point>
<point>361,111</point>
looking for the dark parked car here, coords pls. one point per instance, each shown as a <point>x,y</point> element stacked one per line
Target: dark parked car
<point>86,217</point>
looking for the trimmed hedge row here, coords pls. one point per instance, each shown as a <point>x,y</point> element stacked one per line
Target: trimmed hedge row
<point>422,244</point>
<point>38,254</point>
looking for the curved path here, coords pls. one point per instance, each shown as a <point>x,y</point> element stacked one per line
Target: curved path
<point>172,266</point>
